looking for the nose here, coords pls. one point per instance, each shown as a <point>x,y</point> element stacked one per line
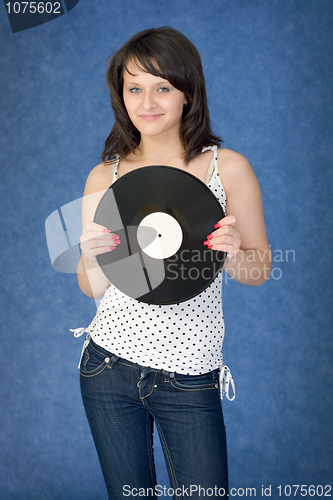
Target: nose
<point>149,101</point>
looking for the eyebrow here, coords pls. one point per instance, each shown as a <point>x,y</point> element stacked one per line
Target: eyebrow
<point>133,82</point>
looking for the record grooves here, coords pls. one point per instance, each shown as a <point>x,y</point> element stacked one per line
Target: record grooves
<point>162,215</point>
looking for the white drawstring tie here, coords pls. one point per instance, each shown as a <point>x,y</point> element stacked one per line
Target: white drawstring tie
<point>77,333</point>
<point>225,381</point>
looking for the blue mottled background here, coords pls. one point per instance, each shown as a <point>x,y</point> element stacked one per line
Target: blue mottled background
<point>269,69</point>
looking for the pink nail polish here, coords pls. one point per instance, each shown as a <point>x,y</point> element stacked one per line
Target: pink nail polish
<point>209,246</point>
<point>105,230</point>
<point>206,242</point>
<point>217,225</point>
<point>113,248</point>
<point>209,237</point>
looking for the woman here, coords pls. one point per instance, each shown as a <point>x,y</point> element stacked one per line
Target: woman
<point>141,362</point>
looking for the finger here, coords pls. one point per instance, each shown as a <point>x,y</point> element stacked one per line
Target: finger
<point>229,220</point>
<point>93,226</point>
<point>222,232</point>
<point>225,239</point>
<point>230,250</point>
<point>101,250</point>
<point>98,236</point>
<point>91,252</point>
<point>225,247</point>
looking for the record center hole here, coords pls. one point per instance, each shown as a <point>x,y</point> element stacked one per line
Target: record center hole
<point>159,235</point>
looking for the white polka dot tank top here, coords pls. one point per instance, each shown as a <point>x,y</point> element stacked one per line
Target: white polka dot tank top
<point>184,338</point>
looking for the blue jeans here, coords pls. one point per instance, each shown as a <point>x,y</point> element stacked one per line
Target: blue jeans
<point>123,399</point>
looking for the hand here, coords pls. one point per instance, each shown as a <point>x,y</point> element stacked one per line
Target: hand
<point>225,238</point>
<point>97,240</point>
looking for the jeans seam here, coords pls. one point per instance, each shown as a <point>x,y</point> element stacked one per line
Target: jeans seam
<point>168,457</point>
<point>109,365</point>
<point>194,388</point>
<point>126,364</point>
<point>151,462</point>
<point>152,389</point>
<point>89,375</point>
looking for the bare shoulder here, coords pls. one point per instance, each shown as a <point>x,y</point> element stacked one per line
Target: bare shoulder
<point>235,170</point>
<point>100,178</point>
<point>233,163</point>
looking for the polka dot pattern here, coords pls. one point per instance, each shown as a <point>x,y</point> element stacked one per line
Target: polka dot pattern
<point>185,338</point>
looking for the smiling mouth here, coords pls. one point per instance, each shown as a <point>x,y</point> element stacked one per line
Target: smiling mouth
<point>151,117</point>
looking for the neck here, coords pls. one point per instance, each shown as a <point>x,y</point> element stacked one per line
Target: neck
<point>160,150</point>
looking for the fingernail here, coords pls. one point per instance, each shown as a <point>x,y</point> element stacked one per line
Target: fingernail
<point>209,237</point>
<point>105,230</point>
<point>217,225</point>
<point>209,246</point>
<point>206,242</point>
<point>115,237</point>
<point>113,248</point>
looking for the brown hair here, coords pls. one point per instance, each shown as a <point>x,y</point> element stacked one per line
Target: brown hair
<point>167,53</point>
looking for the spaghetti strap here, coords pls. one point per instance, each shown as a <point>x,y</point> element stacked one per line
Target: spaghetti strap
<point>213,166</point>
<point>114,166</point>
<point>215,149</point>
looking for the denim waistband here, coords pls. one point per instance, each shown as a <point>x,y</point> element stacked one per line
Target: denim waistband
<point>225,378</point>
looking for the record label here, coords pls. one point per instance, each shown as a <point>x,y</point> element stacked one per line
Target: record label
<point>168,239</point>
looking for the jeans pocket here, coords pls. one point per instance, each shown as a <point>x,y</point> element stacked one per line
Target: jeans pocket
<point>196,382</point>
<point>94,361</point>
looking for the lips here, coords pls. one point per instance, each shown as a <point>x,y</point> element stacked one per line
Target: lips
<point>150,117</point>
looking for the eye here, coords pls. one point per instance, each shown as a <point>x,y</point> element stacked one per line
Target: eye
<point>134,90</point>
<point>163,89</point>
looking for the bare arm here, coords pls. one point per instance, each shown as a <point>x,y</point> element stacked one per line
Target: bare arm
<point>242,233</point>
<point>95,238</point>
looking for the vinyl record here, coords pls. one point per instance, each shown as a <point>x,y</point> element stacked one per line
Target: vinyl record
<point>162,215</point>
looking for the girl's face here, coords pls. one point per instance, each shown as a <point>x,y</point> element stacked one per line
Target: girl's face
<point>154,106</point>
